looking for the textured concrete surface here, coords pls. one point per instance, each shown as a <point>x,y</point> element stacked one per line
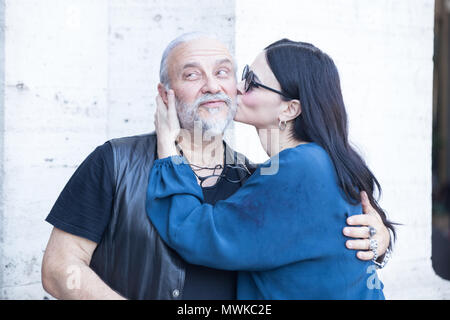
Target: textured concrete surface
<point>55,113</point>
<point>79,72</point>
<point>2,108</point>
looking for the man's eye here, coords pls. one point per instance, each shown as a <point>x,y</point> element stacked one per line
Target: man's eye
<point>191,75</point>
<point>222,72</point>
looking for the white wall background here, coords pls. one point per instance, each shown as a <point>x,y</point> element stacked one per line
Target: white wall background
<point>80,72</point>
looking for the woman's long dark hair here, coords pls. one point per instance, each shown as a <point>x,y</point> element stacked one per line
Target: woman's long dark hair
<point>309,74</point>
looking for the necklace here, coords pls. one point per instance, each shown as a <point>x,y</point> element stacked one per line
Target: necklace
<point>196,168</point>
<point>241,170</point>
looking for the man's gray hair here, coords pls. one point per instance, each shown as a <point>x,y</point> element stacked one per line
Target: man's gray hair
<point>186,37</point>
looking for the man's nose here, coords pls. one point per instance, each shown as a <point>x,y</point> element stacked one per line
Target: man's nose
<point>211,85</point>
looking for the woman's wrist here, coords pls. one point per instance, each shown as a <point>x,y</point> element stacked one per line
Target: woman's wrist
<point>166,150</point>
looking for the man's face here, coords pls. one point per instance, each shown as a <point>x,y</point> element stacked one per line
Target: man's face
<point>201,73</point>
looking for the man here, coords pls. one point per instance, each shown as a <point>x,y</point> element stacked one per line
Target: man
<point>104,247</point>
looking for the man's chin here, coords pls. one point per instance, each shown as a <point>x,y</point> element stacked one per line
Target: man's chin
<point>215,128</point>
<point>210,119</point>
<point>212,114</point>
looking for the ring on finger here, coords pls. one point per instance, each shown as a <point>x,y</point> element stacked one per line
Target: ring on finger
<point>372,231</point>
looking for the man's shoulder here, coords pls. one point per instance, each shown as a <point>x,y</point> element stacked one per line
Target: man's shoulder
<point>132,140</point>
<point>138,145</point>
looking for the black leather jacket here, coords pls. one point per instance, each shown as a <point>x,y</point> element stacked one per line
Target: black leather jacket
<point>131,257</point>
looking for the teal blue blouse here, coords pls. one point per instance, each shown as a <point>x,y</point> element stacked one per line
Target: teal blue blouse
<point>282,230</point>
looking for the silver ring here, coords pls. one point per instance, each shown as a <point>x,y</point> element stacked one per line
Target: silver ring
<point>373,246</point>
<point>372,231</point>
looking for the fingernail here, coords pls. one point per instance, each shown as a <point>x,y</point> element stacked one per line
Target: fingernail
<point>346,231</point>
<point>349,220</point>
<point>349,245</point>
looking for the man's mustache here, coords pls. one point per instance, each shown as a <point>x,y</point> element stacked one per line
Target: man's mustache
<point>188,113</point>
<point>208,97</point>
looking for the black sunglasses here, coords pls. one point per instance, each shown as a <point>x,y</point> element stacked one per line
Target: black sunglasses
<point>250,82</point>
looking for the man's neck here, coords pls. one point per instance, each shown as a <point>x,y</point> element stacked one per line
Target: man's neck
<point>201,150</point>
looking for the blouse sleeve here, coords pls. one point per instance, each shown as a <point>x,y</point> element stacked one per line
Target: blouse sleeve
<point>271,221</point>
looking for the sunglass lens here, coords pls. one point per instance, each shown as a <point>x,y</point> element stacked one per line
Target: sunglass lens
<point>244,72</point>
<point>248,80</point>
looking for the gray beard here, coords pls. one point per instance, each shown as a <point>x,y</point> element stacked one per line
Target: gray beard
<point>190,120</point>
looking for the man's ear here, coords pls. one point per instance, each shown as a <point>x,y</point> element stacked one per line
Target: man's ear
<point>163,93</point>
<point>293,110</point>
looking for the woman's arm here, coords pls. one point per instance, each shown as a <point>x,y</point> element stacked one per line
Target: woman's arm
<point>271,221</point>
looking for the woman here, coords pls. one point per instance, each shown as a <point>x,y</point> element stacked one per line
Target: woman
<point>280,230</point>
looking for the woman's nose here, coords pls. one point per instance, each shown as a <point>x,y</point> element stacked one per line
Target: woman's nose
<point>240,88</point>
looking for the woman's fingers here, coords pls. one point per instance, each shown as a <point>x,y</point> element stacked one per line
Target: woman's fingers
<point>161,107</point>
<point>367,207</point>
<point>361,220</point>
<point>171,101</point>
<point>358,244</point>
<point>167,125</point>
<point>172,112</point>
<point>172,116</point>
<point>357,232</point>
<point>365,201</point>
<point>365,255</point>
<point>361,231</point>
<point>160,116</point>
<point>362,234</point>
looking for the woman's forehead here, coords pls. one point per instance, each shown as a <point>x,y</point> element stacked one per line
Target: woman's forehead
<point>261,69</point>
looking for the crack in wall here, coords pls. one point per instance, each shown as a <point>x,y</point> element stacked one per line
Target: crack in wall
<point>2,131</point>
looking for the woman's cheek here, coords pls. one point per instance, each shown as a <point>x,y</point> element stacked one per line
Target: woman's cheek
<point>248,101</point>
<point>248,108</point>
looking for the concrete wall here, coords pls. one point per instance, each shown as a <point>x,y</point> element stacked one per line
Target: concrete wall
<point>2,108</point>
<point>79,72</point>
<point>55,112</point>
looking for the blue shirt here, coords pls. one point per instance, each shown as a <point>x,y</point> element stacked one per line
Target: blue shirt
<point>282,231</point>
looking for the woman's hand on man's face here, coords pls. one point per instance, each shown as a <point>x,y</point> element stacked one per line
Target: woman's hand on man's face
<point>167,125</point>
<point>361,233</point>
